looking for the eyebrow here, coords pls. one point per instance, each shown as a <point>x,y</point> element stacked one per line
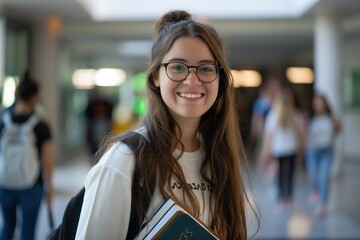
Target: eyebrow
<point>185,61</point>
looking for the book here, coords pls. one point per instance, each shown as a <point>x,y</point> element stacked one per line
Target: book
<point>171,221</point>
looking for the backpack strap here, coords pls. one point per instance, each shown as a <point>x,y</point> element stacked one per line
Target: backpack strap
<point>32,121</point>
<point>29,123</point>
<point>68,227</point>
<point>141,197</point>
<point>6,117</point>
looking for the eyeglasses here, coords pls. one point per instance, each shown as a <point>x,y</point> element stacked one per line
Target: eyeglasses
<point>178,72</point>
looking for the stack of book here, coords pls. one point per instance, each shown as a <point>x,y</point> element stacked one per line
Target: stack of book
<point>172,222</point>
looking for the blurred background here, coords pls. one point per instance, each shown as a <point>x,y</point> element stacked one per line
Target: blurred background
<point>90,58</point>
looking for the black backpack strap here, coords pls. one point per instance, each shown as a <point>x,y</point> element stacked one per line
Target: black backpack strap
<point>68,226</point>
<point>75,204</point>
<point>141,197</point>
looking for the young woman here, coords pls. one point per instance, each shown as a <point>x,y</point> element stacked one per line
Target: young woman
<point>191,128</point>
<point>284,141</point>
<point>321,135</point>
<point>28,200</point>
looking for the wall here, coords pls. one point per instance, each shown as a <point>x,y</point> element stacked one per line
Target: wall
<point>351,117</point>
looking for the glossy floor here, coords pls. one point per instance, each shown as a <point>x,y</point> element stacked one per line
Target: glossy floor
<point>297,222</point>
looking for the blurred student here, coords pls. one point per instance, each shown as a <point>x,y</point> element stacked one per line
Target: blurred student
<point>99,120</point>
<point>322,130</point>
<point>25,194</point>
<point>283,141</point>
<point>260,110</point>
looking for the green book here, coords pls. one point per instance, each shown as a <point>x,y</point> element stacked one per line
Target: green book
<point>171,221</point>
<point>185,227</point>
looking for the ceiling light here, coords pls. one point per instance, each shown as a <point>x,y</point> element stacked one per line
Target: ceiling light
<point>300,75</point>
<point>109,77</point>
<point>246,78</point>
<point>84,78</point>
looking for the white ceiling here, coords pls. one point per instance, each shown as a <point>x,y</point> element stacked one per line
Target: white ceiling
<point>255,32</point>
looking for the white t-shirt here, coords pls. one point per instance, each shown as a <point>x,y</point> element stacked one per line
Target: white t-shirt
<point>107,202</point>
<point>284,140</point>
<point>321,132</point>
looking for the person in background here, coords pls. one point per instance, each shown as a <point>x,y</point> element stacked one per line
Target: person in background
<point>192,134</point>
<point>260,110</point>
<point>283,141</point>
<point>322,129</point>
<point>99,120</point>
<point>29,200</point>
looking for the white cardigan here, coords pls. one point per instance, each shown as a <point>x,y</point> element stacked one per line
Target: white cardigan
<point>106,208</point>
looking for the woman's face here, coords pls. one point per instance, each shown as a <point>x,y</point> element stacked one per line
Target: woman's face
<point>191,98</point>
<point>319,105</point>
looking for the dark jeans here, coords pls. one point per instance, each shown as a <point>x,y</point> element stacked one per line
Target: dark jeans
<point>29,202</point>
<point>286,176</point>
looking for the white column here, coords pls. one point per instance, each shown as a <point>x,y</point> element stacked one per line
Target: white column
<point>328,58</point>
<point>44,64</point>
<point>328,69</point>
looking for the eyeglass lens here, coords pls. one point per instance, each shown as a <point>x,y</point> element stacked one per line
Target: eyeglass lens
<point>180,71</point>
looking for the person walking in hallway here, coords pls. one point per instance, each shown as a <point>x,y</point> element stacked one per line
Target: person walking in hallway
<point>24,189</point>
<point>260,110</point>
<point>98,120</point>
<point>284,141</point>
<point>322,129</point>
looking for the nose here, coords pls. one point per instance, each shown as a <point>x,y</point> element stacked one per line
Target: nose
<point>192,78</point>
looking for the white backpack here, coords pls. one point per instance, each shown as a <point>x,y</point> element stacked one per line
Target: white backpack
<point>19,160</point>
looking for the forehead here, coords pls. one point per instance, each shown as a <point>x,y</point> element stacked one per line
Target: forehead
<point>191,50</point>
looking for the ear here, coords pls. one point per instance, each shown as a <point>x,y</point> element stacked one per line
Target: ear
<point>156,80</point>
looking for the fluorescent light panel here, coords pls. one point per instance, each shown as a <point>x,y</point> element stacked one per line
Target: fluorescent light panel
<point>246,78</point>
<point>300,75</point>
<point>104,77</point>
<point>108,77</point>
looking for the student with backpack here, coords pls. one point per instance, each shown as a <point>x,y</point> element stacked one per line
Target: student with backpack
<point>26,162</point>
<point>192,145</point>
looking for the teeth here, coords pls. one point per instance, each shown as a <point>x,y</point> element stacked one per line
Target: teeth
<point>190,95</point>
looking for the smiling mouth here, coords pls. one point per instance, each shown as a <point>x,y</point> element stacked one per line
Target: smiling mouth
<point>190,95</point>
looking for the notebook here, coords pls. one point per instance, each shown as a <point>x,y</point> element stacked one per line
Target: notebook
<point>171,221</point>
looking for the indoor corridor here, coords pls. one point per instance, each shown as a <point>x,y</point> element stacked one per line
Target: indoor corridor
<point>342,221</point>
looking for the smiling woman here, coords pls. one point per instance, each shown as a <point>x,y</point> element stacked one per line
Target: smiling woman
<point>186,95</point>
<point>192,143</point>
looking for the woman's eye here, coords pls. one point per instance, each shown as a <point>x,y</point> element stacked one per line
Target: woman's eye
<point>206,69</point>
<point>179,68</point>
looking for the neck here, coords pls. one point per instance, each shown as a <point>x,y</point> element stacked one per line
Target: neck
<point>23,108</point>
<point>189,136</point>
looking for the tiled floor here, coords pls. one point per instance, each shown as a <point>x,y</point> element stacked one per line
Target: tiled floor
<point>342,222</point>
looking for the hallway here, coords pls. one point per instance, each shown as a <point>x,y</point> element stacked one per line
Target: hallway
<point>342,222</point>
<point>299,222</point>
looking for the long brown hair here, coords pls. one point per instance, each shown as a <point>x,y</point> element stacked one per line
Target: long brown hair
<point>218,132</point>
